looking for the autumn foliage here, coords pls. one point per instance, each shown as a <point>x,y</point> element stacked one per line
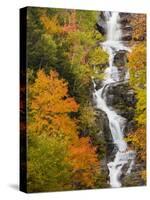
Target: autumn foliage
<point>51,25</point>
<point>65,144</point>
<point>49,117</point>
<point>139,140</point>
<point>137,67</point>
<point>137,59</point>
<point>49,102</point>
<point>84,160</point>
<point>139,26</point>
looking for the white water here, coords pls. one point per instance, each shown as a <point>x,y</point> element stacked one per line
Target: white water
<point>116,122</point>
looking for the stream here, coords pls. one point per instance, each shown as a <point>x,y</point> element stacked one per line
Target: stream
<point>124,157</point>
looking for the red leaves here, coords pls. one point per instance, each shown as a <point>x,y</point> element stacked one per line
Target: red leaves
<point>72,25</point>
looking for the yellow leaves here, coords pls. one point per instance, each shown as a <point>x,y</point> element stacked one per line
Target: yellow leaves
<point>143,175</point>
<point>50,106</point>
<point>59,158</point>
<point>137,58</point>
<point>141,107</point>
<point>137,66</point>
<point>138,139</point>
<point>97,56</point>
<point>51,24</point>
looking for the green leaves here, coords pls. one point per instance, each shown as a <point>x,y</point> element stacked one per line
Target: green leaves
<point>137,67</point>
<point>47,169</point>
<point>86,19</point>
<point>64,41</point>
<point>97,57</point>
<point>42,53</point>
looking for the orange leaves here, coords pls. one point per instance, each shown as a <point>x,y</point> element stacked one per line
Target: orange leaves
<point>71,105</point>
<point>138,138</point>
<point>50,94</point>
<point>137,66</point>
<point>139,26</point>
<point>51,24</point>
<point>50,105</point>
<point>85,152</point>
<point>72,25</point>
<point>64,124</point>
<point>59,159</point>
<point>69,28</point>
<point>84,161</point>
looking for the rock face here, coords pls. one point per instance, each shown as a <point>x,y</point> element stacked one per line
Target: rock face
<point>125,19</point>
<point>122,98</point>
<point>127,37</point>
<point>119,96</point>
<point>101,24</point>
<point>101,28</point>
<point>133,179</point>
<point>120,58</point>
<point>103,122</point>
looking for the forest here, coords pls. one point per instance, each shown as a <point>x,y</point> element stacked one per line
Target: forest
<point>65,151</point>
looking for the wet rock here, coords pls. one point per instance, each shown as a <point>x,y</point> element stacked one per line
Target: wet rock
<point>123,94</point>
<point>127,113</point>
<point>122,99</point>
<point>134,178</point>
<point>102,16</point>
<point>125,15</point>
<point>101,27</point>
<point>98,84</point>
<point>127,32</point>
<point>125,18</point>
<point>122,71</point>
<point>130,99</point>
<point>103,123</point>
<point>120,58</point>
<point>130,127</point>
<point>111,99</point>
<point>127,37</point>
<point>127,28</point>
<point>101,24</point>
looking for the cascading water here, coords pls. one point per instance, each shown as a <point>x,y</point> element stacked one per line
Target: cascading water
<point>116,122</point>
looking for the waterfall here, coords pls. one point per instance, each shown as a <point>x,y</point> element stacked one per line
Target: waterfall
<point>117,123</point>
